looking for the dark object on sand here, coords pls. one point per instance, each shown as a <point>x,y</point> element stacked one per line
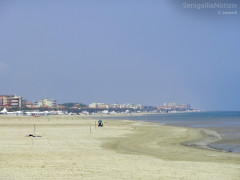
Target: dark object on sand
<point>31,135</point>
<point>100,123</point>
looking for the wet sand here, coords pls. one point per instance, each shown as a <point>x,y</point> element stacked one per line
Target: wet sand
<point>120,150</point>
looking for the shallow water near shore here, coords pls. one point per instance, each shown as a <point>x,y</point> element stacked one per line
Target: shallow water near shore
<point>226,124</point>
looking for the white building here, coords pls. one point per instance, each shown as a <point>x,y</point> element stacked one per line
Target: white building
<point>45,102</point>
<point>99,106</point>
<point>49,102</point>
<point>131,106</point>
<point>93,105</point>
<point>37,103</point>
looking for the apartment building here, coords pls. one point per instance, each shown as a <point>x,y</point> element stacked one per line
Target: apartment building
<point>11,101</point>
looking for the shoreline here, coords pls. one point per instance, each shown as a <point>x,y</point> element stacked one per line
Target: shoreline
<point>210,135</point>
<point>193,139</point>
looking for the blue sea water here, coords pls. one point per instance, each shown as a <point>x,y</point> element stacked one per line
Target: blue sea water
<point>225,123</point>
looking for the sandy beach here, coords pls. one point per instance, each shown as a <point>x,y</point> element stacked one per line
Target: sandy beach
<point>70,147</point>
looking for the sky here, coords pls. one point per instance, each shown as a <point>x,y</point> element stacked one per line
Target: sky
<point>137,51</point>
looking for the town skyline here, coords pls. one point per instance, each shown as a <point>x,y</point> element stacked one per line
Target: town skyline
<point>16,102</point>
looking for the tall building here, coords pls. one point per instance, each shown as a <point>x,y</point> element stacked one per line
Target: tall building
<point>11,101</point>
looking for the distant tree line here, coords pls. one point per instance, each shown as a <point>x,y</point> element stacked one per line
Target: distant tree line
<point>71,104</point>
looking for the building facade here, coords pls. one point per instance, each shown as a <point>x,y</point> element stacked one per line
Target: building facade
<point>11,101</point>
<point>45,103</point>
<point>99,106</point>
<point>174,107</point>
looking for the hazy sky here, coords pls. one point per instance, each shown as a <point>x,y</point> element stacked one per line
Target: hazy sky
<point>124,51</point>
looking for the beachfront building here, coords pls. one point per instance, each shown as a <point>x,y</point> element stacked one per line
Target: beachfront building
<point>99,106</point>
<point>92,105</point>
<point>45,103</point>
<point>131,106</point>
<point>37,103</point>
<point>114,106</point>
<point>49,102</point>
<point>10,101</point>
<point>28,104</point>
<point>174,107</point>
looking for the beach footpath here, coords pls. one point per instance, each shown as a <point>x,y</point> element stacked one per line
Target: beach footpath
<point>74,147</point>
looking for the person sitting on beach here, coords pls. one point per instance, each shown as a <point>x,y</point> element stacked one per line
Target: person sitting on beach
<point>100,123</point>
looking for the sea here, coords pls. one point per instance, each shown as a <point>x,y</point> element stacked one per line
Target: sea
<point>224,123</point>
